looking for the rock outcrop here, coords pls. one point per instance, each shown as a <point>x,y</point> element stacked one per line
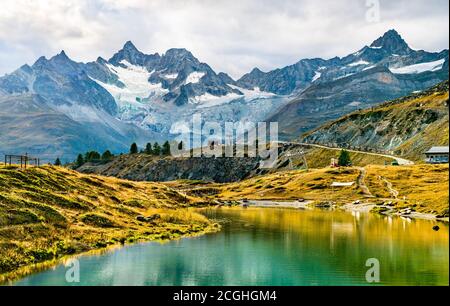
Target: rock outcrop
<point>406,127</point>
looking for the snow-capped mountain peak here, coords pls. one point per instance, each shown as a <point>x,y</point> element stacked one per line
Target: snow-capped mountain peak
<point>134,94</point>
<point>131,54</point>
<point>180,54</point>
<point>62,56</point>
<point>386,52</point>
<point>392,42</point>
<point>129,46</point>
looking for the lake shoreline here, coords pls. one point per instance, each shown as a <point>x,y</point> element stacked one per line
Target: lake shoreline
<point>8,279</point>
<point>351,207</point>
<point>24,271</point>
<point>71,213</point>
<point>390,212</point>
<point>277,204</point>
<point>326,240</point>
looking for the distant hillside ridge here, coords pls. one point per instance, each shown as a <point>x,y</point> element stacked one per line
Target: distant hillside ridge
<point>143,167</point>
<point>405,127</point>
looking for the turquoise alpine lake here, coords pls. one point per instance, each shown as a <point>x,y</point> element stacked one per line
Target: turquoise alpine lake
<point>271,246</point>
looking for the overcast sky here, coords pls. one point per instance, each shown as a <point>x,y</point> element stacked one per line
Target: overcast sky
<point>230,35</point>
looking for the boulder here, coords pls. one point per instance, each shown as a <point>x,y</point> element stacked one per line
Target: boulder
<point>141,218</point>
<point>153,217</point>
<point>148,219</point>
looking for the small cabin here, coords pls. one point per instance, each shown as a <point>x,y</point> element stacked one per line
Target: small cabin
<point>437,155</point>
<point>334,163</point>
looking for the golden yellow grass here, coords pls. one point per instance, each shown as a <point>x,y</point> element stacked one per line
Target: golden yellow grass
<point>436,134</point>
<point>422,187</point>
<point>435,101</point>
<point>402,115</point>
<point>321,158</point>
<point>49,212</point>
<point>290,185</point>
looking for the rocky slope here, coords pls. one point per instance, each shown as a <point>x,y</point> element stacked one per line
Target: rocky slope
<point>405,127</point>
<point>385,70</point>
<point>131,97</point>
<point>138,97</point>
<point>389,51</point>
<point>35,127</point>
<point>142,167</point>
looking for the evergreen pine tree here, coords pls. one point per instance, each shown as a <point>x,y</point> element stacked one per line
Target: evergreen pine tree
<point>344,159</point>
<point>107,155</point>
<point>156,149</point>
<point>92,156</point>
<point>166,149</point>
<point>148,149</point>
<point>133,148</point>
<point>80,161</point>
<point>57,162</point>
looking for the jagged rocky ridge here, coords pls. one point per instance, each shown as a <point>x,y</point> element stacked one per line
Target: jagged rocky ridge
<point>138,97</point>
<point>389,51</point>
<point>385,70</point>
<point>406,127</point>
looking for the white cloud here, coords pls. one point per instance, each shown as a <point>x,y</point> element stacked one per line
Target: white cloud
<point>231,36</point>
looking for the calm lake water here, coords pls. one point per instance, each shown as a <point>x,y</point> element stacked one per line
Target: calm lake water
<point>264,246</point>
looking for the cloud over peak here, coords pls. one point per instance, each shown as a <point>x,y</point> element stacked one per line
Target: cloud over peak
<point>231,36</point>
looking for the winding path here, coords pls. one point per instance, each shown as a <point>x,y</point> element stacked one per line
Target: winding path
<point>362,184</point>
<point>401,161</point>
<point>394,193</point>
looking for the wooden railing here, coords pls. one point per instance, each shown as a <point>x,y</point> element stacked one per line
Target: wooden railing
<point>22,160</point>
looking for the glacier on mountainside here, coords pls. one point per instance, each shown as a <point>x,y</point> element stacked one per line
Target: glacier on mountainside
<point>419,68</point>
<point>141,103</point>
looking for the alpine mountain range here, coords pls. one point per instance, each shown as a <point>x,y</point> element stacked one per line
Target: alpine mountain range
<point>58,107</point>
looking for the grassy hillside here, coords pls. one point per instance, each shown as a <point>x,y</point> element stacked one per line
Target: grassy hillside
<point>144,167</point>
<point>435,134</point>
<point>406,127</point>
<point>293,156</point>
<point>423,188</point>
<point>321,158</point>
<point>292,185</point>
<point>49,212</point>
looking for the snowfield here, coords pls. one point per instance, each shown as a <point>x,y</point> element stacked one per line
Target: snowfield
<point>140,102</point>
<point>137,87</point>
<point>316,76</point>
<point>359,63</point>
<point>194,77</point>
<point>368,68</point>
<point>419,68</point>
<point>254,94</point>
<point>208,100</point>
<point>172,76</point>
